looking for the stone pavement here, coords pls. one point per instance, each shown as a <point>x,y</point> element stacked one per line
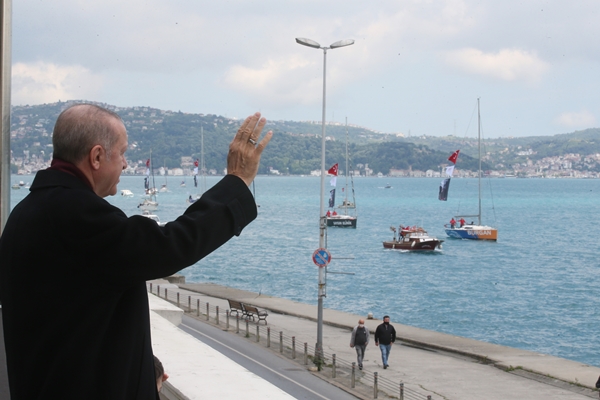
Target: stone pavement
<point>429,363</point>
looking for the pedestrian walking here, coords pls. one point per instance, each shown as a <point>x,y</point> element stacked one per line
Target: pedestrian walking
<point>385,336</point>
<point>360,340</point>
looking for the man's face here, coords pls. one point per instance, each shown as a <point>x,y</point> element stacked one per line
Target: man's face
<point>113,166</point>
<point>386,320</point>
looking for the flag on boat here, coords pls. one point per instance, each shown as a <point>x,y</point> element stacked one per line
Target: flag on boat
<point>454,157</point>
<point>450,170</point>
<point>332,198</point>
<point>148,167</point>
<point>333,181</point>
<point>443,195</point>
<point>196,167</point>
<point>333,170</point>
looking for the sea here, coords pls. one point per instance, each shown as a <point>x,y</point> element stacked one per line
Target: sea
<point>534,289</point>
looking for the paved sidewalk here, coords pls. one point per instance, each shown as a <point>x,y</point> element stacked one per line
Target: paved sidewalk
<point>429,363</point>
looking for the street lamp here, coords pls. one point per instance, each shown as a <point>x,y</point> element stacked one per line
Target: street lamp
<point>322,218</point>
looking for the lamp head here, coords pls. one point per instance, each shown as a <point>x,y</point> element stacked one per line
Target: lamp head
<point>308,42</point>
<point>341,43</point>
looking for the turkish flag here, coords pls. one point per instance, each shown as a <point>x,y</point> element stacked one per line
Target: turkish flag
<point>454,157</point>
<point>148,163</point>
<point>196,163</point>
<point>333,170</point>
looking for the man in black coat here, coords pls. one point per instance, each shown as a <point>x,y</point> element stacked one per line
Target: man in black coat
<point>73,267</point>
<point>385,336</point>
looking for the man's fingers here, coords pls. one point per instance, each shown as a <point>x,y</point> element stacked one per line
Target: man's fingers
<point>264,142</point>
<point>248,127</point>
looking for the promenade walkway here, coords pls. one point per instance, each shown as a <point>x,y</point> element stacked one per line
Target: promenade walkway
<point>430,363</point>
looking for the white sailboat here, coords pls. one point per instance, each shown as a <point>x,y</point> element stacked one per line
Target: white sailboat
<point>462,229</point>
<point>149,203</point>
<point>191,199</point>
<point>344,219</point>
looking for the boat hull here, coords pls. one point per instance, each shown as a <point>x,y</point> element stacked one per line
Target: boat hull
<point>341,222</point>
<point>428,245</point>
<point>473,233</point>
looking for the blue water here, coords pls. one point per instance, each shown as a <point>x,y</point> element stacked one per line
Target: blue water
<point>534,289</point>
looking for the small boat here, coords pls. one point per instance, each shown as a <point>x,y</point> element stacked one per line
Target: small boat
<point>163,189</point>
<point>21,183</point>
<point>388,186</point>
<point>16,186</point>
<point>344,219</point>
<point>341,221</point>
<point>413,239</point>
<point>126,193</point>
<point>148,205</point>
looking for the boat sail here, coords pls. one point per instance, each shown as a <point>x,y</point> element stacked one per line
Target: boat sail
<point>462,229</point>
<point>343,219</point>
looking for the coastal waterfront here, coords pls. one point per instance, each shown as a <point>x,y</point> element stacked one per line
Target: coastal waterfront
<point>533,289</point>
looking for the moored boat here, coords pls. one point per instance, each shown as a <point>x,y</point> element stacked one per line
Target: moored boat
<point>413,239</point>
<point>341,221</point>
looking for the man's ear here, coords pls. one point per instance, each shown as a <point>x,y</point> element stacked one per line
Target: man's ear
<point>96,155</point>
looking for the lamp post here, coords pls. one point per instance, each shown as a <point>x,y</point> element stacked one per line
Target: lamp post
<point>322,218</point>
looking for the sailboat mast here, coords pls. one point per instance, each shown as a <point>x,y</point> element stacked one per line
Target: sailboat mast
<point>479,148</point>
<point>202,159</point>
<point>346,201</point>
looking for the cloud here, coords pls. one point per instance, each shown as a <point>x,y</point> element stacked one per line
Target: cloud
<point>507,64</point>
<point>40,82</point>
<point>582,119</point>
<point>284,81</point>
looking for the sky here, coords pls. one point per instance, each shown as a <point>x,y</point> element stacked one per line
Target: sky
<point>417,67</point>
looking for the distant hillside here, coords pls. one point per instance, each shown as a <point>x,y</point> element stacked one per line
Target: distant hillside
<point>296,146</point>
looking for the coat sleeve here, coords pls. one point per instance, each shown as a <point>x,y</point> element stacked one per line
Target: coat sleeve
<point>352,337</point>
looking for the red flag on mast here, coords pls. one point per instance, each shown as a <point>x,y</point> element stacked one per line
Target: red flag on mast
<point>333,170</point>
<point>454,157</point>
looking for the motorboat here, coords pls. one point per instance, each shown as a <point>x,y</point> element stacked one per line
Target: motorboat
<point>126,193</point>
<point>341,221</point>
<point>413,238</point>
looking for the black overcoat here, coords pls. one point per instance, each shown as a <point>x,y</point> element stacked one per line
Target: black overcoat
<point>72,284</point>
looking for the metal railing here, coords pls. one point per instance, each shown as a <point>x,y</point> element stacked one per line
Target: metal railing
<point>342,371</point>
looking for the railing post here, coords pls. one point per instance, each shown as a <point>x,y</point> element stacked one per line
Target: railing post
<point>294,347</point>
<point>305,353</point>
<point>217,315</point>
<point>227,319</point>
<point>158,290</point>
<point>237,324</point>
<point>268,337</point>
<point>257,334</point>
<point>375,385</point>
<point>190,303</point>
<point>402,391</point>
<point>247,329</point>
<point>333,368</point>
<point>281,342</point>
<point>353,376</point>
<point>166,296</point>
<point>177,299</point>
<point>150,287</point>
<point>197,307</point>
<point>207,311</point>
<point>429,397</point>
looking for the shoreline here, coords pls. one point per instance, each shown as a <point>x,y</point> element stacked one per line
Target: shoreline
<point>502,357</point>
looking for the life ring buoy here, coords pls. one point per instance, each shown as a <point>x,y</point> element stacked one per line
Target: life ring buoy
<point>413,244</point>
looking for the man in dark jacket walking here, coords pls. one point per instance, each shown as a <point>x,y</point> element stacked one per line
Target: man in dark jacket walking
<point>360,340</point>
<point>385,336</point>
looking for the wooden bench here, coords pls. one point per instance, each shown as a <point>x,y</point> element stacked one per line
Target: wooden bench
<point>252,311</point>
<point>236,307</point>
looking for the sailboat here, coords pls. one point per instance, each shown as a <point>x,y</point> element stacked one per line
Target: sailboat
<point>149,203</point>
<point>464,230</point>
<point>343,219</point>
<point>192,199</point>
